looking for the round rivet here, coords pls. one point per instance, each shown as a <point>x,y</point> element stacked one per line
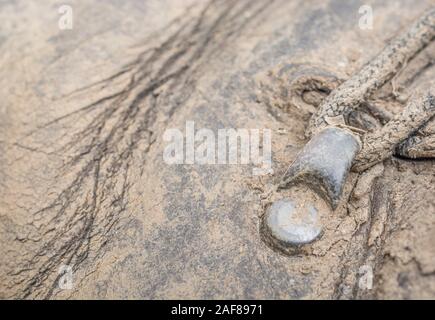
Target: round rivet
<point>292,224</point>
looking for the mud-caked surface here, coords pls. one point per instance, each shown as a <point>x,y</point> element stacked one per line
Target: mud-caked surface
<point>83,183</point>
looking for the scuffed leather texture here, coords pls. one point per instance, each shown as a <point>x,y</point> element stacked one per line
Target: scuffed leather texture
<point>82,178</point>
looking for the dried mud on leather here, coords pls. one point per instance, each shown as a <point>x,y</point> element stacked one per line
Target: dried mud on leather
<point>130,224</point>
